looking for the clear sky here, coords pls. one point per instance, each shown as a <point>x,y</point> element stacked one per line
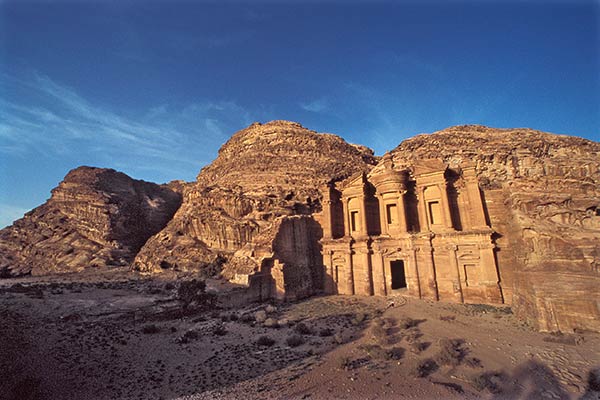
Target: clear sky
<point>154,88</point>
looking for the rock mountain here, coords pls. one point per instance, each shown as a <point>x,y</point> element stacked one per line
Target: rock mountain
<point>257,207</point>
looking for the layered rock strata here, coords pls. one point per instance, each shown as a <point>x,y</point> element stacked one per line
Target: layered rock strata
<point>95,218</point>
<point>541,195</point>
<point>248,199</point>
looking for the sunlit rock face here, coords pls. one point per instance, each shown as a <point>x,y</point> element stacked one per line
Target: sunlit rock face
<point>257,215</point>
<point>95,218</point>
<point>542,197</point>
<point>263,174</point>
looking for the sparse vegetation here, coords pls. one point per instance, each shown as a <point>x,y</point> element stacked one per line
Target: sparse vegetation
<point>326,332</point>
<point>219,330</point>
<point>451,352</point>
<point>407,323</point>
<point>344,362</point>
<point>294,340</point>
<point>194,291</point>
<point>302,329</point>
<point>424,368</point>
<point>150,329</point>
<point>265,341</point>
<point>490,381</point>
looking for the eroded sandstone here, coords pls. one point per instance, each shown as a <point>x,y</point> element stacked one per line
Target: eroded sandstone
<point>95,218</point>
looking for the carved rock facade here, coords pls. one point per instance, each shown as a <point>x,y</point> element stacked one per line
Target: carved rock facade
<point>422,230</point>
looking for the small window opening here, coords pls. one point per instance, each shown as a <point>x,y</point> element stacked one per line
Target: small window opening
<point>391,213</point>
<point>435,216</point>
<point>354,221</point>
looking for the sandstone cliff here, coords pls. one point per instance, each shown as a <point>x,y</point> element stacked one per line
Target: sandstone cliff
<point>94,218</point>
<point>542,193</point>
<point>264,173</point>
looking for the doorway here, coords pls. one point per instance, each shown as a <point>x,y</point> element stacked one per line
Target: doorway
<point>398,274</point>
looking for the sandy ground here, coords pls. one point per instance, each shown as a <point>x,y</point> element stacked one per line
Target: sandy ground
<point>123,338</point>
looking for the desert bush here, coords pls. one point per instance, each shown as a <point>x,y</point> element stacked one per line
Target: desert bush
<point>447,318</point>
<point>234,317</point>
<point>326,332</point>
<point>219,330</point>
<point>302,329</point>
<point>417,347</point>
<point>189,335</point>
<point>412,335</point>
<point>359,318</point>
<point>473,362</point>
<point>194,291</point>
<point>374,351</point>
<point>150,329</point>
<point>380,334</point>
<point>294,340</point>
<point>339,338</point>
<point>265,341</point>
<point>451,352</point>
<point>424,368</point>
<point>344,362</point>
<point>594,380</point>
<point>491,381</point>
<point>395,353</point>
<point>407,323</point>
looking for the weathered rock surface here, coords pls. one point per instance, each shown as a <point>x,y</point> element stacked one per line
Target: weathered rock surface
<point>95,218</point>
<point>542,193</point>
<point>262,175</point>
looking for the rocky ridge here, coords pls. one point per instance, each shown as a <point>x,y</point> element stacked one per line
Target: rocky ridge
<point>264,173</point>
<point>95,218</point>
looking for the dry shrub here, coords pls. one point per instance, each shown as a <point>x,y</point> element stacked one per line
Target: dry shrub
<point>417,347</point>
<point>150,329</point>
<point>326,332</point>
<point>491,381</point>
<point>219,330</point>
<point>294,340</point>
<point>451,352</point>
<point>344,362</point>
<point>412,335</point>
<point>407,323</point>
<point>423,368</point>
<point>395,353</point>
<point>265,341</point>
<point>302,329</point>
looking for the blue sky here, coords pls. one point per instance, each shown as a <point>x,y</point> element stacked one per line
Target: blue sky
<point>154,88</point>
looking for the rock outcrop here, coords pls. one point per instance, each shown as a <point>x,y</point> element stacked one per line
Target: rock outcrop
<point>95,218</point>
<point>542,194</point>
<point>236,208</point>
<point>257,212</point>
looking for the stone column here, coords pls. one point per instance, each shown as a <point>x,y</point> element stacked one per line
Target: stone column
<point>422,211</point>
<point>327,220</point>
<point>402,225</point>
<point>349,273</point>
<point>379,287</point>
<point>363,217</point>
<point>367,286</point>
<point>383,216</point>
<point>430,265</point>
<point>346,216</point>
<point>489,273</point>
<point>452,248</point>
<point>445,206</point>
<point>414,284</point>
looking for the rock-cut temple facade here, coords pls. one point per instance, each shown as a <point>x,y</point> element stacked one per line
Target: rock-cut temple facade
<point>422,231</point>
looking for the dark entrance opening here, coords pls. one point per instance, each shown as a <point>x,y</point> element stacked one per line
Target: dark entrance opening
<point>398,274</point>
